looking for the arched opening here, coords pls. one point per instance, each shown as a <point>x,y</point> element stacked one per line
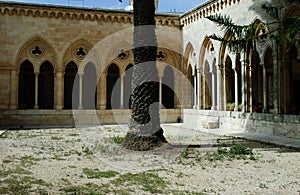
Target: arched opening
<point>46,86</point>
<point>168,88</point>
<point>293,96</point>
<point>229,84</point>
<point>207,86</point>
<point>257,83</point>
<point>113,87</point>
<point>89,87</point>
<point>69,86</point>
<point>190,77</point>
<point>26,86</point>
<point>127,86</point>
<point>268,61</point>
<point>239,78</point>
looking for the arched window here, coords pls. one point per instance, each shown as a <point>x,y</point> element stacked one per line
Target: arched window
<point>46,86</point>
<point>256,82</point>
<point>26,86</point>
<point>207,86</point>
<point>113,87</point>
<point>127,86</point>
<point>69,78</point>
<point>89,87</point>
<point>168,88</point>
<point>190,77</point>
<point>229,81</point>
<point>268,61</point>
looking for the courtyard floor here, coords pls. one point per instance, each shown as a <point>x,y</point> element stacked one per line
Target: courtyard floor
<point>91,160</point>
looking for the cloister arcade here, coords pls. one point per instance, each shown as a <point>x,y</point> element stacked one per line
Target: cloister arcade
<point>39,84</point>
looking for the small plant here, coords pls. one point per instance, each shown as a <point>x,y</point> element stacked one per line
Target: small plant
<point>96,174</point>
<point>234,152</point>
<point>185,153</point>
<point>263,185</point>
<point>149,181</point>
<point>87,151</point>
<point>118,139</point>
<point>230,106</point>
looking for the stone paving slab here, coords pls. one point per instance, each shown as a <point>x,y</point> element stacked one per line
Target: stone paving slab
<point>278,140</point>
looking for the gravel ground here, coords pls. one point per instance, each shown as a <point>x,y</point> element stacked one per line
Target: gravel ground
<point>92,161</point>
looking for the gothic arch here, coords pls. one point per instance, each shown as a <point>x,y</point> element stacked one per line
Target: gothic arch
<point>206,53</point>
<point>189,58</point>
<point>113,87</point>
<point>36,50</point>
<point>76,52</point>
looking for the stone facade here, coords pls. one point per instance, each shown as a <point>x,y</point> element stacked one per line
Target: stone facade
<point>45,46</point>
<point>265,80</point>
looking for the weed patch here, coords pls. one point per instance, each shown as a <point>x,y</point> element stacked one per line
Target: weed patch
<point>149,181</point>
<point>234,152</point>
<point>96,174</point>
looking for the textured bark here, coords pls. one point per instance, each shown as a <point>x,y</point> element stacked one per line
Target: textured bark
<point>144,129</point>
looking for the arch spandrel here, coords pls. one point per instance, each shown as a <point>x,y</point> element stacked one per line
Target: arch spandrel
<point>77,52</point>
<point>36,50</point>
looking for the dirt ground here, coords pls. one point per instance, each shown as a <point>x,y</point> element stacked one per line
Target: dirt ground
<point>91,160</point>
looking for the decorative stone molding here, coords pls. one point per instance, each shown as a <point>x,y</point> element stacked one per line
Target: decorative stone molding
<point>206,9</point>
<point>72,13</point>
<point>36,50</point>
<point>77,52</point>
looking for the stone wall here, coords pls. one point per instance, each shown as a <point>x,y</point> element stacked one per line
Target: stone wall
<point>60,118</point>
<point>266,124</point>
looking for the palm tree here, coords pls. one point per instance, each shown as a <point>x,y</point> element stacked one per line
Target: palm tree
<point>243,37</point>
<point>144,129</point>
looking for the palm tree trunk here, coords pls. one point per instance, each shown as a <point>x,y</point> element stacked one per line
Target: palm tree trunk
<point>144,129</point>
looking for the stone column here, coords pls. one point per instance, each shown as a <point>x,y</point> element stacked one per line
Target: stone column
<point>236,90</point>
<point>36,106</point>
<point>219,87</point>
<point>213,91</point>
<point>80,74</point>
<point>203,92</point>
<point>265,88</point>
<point>198,89</point>
<point>195,92</point>
<point>98,93</point>
<point>250,88</point>
<point>102,88</point>
<point>122,90</point>
<point>59,89</point>
<point>13,90</point>
<point>160,92</point>
<point>244,84</point>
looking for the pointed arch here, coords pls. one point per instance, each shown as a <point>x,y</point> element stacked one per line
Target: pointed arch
<point>113,87</point>
<point>89,87</point>
<point>26,89</point>
<point>189,58</point>
<point>69,85</point>
<point>168,96</point>
<point>76,52</point>
<point>37,50</point>
<point>46,86</point>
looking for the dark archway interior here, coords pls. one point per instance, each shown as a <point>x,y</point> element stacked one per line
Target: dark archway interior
<point>89,87</point>
<point>46,86</point>
<point>69,78</point>
<point>26,86</point>
<point>168,88</point>
<point>113,87</point>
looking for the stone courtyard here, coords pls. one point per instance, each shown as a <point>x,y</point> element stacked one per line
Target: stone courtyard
<point>91,161</point>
